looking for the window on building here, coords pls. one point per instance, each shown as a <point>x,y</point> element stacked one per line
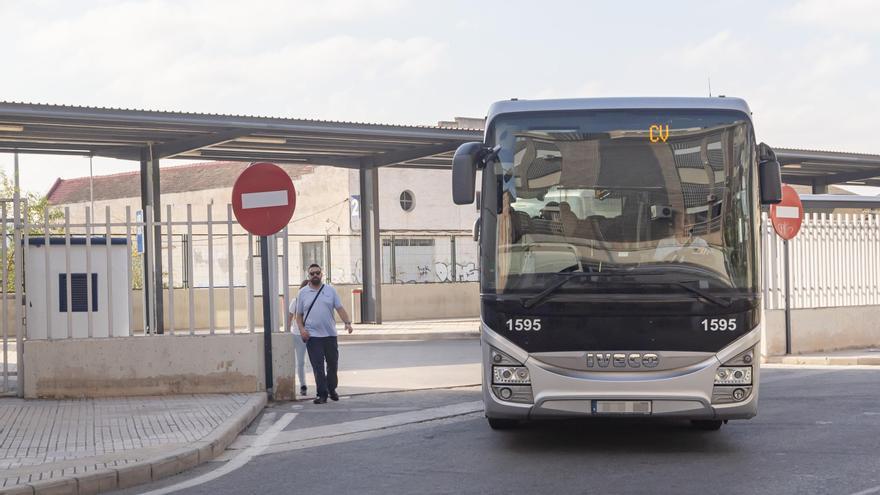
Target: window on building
<point>407,200</point>
<point>78,292</point>
<point>312,252</point>
<point>411,262</point>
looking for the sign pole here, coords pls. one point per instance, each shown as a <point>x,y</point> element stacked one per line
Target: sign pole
<point>787,300</point>
<point>787,217</point>
<point>263,200</point>
<point>267,312</point>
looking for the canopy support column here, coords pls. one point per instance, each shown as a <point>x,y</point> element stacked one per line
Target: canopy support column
<point>371,247</point>
<point>151,201</point>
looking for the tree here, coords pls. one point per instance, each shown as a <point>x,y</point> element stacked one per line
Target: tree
<point>34,208</point>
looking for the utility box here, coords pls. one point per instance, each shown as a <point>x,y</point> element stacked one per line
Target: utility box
<point>46,273</point>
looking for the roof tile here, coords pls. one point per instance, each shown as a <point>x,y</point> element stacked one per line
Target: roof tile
<point>183,178</point>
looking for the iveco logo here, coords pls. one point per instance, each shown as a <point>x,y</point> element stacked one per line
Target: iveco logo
<point>622,360</point>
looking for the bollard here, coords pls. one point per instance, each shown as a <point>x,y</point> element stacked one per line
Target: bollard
<point>356,305</point>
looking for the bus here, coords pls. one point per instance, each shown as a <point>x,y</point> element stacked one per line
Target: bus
<point>619,257</point>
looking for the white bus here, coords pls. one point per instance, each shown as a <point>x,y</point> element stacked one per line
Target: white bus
<point>619,257</point>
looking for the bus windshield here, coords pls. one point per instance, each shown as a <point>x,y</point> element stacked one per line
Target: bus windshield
<point>642,192</point>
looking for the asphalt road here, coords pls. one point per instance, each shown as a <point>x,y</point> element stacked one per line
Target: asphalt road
<point>817,431</point>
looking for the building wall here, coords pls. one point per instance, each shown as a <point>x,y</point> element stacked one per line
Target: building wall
<point>434,209</point>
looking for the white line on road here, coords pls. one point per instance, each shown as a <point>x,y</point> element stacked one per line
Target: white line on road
<point>237,462</point>
<point>772,378</point>
<point>869,491</point>
<point>295,439</point>
<point>266,422</point>
<point>365,435</point>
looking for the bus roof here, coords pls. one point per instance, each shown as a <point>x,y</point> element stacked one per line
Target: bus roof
<point>516,106</point>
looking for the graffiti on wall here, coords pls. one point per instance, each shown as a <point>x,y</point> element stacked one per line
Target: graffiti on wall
<point>466,272</point>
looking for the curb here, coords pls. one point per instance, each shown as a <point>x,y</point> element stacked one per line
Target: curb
<point>138,473</point>
<point>466,334</point>
<point>826,360</point>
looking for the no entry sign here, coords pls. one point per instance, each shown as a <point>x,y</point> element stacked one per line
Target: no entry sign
<point>263,198</point>
<point>788,214</point>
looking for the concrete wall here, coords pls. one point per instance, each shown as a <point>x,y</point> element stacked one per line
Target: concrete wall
<point>822,329</point>
<point>133,366</point>
<point>429,301</point>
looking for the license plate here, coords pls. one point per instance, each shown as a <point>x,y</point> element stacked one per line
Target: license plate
<point>622,407</point>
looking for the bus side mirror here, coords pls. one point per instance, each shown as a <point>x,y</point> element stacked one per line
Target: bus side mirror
<point>464,172</point>
<point>770,181</point>
<point>769,175</point>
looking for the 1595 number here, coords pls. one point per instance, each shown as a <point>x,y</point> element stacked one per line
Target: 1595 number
<point>718,324</point>
<point>524,324</point>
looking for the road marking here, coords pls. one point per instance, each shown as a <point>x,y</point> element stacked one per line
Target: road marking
<point>773,378</point>
<point>260,444</point>
<point>869,491</point>
<point>320,435</point>
<point>360,410</point>
<point>264,199</point>
<point>365,435</point>
<point>265,422</point>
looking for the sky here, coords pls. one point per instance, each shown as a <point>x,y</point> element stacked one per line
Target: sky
<point>809,69</point>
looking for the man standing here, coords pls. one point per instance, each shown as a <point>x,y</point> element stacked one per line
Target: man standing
<point>314,316</point>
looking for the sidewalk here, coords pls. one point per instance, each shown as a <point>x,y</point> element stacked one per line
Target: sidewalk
<point>96,445</point>
<point>852,357</point>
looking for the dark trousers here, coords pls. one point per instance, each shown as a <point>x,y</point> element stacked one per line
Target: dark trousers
<point>323,349</point>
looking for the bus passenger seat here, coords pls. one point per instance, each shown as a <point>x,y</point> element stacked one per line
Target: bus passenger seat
<point>522,224</point>
<point>568,219</point>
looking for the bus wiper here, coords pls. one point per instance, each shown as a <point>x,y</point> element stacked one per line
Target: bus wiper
<point>705,295</point>
<point>550,289</point>
<point>541,296</point>
<point>537,298</point>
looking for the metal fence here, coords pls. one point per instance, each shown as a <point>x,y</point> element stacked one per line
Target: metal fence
<point>833,261</point>
<point>10,311</point>
<point>211,269</point>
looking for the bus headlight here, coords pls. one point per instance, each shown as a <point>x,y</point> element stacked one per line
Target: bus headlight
<point>512,375</point>
<point>501,359</point>
<point>733,375</point>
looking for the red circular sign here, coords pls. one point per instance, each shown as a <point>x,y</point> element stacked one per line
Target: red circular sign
<point>263,198</point>
<point>788,214</point>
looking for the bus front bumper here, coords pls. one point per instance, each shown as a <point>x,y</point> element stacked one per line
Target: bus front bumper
<point>559,393</point>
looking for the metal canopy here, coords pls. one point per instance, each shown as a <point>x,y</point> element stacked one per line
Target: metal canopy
<point>839,201</point>
<point>823,168</point>
<point>120,133</point>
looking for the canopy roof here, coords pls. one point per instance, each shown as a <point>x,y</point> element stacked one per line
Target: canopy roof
<point>126,134</point>
<point>137,134</point>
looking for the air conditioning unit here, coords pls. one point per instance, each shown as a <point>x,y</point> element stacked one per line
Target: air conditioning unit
<point>46,287</point>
